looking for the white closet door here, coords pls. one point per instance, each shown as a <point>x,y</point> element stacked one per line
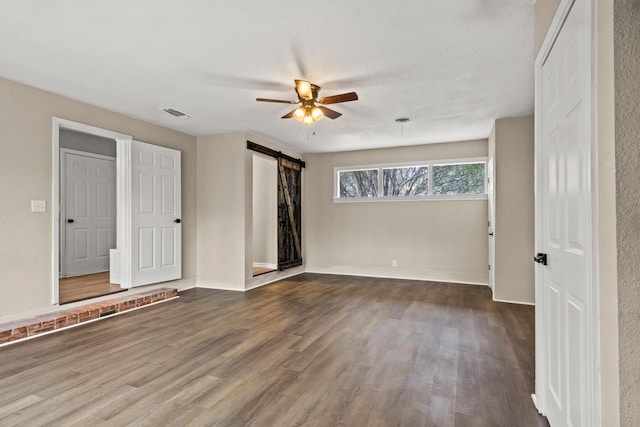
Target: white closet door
<point>90,213</point>
<point>156,237</point>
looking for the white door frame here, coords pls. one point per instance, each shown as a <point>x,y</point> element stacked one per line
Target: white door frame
<point>62,216</point>
<point>593,382</point>
<point>121,140</point>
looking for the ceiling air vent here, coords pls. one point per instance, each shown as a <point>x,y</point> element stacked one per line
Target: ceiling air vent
<point>175,112</point>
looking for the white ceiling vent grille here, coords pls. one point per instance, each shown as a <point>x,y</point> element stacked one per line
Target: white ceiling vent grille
<point>175,112</point>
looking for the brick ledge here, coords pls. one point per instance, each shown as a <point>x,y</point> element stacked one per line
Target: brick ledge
<point>22,329</point>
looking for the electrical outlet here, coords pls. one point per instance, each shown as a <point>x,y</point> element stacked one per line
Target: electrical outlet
<point>38,206</point>
<point>394,263</point>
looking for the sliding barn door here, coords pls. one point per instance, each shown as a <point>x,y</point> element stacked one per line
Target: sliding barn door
<point>289,214</point>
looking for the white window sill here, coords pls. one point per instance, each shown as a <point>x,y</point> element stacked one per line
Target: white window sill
<point>409,199</point>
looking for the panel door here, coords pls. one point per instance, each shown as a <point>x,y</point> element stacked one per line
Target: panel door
<point>90,214</point>
<point>491,222</point>
<point>156,231</point>
<point>566,224</point>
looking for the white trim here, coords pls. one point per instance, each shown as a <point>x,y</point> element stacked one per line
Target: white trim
<point>594,385</point>
<point>508,301</point>
<point>57,124</point>
<point>87,153</point>
<point>123,196</point>
<point>554,30</point>
<point>274,276</point>
<point>382,276</point>
<point>63,186</point>
<point>438,198</point>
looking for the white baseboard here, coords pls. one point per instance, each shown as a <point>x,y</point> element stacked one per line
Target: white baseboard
<point>512,302</point>
<point>402,274</point>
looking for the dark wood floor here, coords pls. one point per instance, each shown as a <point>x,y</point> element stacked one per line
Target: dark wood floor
<point>315,350</point>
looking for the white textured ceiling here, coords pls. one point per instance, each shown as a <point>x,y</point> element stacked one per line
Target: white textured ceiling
<point>453,66</point>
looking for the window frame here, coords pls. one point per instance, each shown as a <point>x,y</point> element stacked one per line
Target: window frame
<point>429,197</point>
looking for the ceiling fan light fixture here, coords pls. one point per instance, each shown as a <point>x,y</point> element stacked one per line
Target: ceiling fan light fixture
<point>316,113</point>
<point>299,114</point>
<point>308,118</point>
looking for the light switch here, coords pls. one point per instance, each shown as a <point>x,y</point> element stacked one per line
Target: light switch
<point>38,206</point>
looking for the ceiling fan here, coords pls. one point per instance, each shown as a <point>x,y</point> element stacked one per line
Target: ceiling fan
<point>310,112</point>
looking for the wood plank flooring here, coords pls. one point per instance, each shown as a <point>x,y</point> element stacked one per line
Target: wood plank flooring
<point>257,271</point>
<point>80,288</point>
<point>314,350</point>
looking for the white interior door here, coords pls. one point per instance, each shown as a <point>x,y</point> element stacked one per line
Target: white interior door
<point>156,238</point>
<point>566,224</point>
<point>90,213</point>
<point>491,215</point>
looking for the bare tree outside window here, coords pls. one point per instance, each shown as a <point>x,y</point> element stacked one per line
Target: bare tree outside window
<point>406,181</point>
<point>465,178</point>
<point>459,177</point>
<point>359,183</point>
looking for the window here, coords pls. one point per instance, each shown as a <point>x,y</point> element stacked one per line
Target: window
<point>405,181</point>
<point>461,178</point>
<point>437,179</point>
<point>358,183</point>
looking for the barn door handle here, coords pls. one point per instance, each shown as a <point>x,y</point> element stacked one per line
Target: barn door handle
<point>540,258</point>
<point>177,221</point>
<point>70,221</point>
<point>490,234</point>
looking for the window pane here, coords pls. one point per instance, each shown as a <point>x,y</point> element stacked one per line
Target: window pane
<point>466,178</point>
<point>406,181</point>
<point>362,183</point>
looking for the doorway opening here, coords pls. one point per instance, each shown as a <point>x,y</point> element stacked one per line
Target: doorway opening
<point>265,214</point>
<point>87,215</point>
<point>84,204</point>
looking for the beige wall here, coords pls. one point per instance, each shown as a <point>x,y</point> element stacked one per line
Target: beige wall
<point>606,219</point>
<point>225,212</point>
<point>627,155</point>
<point>544,12</point>
<point>87,143</point>
<point>512,144</point>
<point>221,228</point>
<point>25,174</point>
<point>431,240</point>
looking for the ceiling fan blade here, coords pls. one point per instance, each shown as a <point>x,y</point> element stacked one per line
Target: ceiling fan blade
<point>289,114</point>
<point>344,97</point>
<point>305,89</point>
<point>282,101</point>
<point>329,113</point>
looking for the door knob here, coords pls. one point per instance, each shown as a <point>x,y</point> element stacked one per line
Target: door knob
<point>177,221</point>
<point>540,258</point>
<point>70,221</point>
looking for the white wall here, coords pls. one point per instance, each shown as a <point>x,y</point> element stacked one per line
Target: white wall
<point>512,145</point>
<point>265,210</point>
<point>26,116</point>
<point>431,240</point>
